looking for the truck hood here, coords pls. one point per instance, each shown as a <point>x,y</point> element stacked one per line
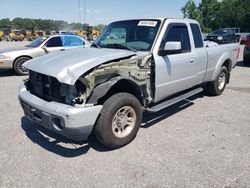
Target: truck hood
<point>68,66</point>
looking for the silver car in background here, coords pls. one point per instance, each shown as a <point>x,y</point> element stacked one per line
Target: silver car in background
<point>14,58</point>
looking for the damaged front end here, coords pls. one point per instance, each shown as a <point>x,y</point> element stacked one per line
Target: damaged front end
<point>50,89</point>
<point>95,84</point>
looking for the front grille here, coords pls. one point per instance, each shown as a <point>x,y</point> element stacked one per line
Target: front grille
<point>44,87</point>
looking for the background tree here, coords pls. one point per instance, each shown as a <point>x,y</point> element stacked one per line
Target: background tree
<point>214,14</point>
<point>5,23</point>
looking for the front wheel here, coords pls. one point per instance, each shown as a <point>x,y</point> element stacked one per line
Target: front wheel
<point>216,87</point>
<point>18,66</point>
<point>119,120</point>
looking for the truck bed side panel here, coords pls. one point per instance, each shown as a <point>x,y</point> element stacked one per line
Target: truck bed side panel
<point>217,55</point>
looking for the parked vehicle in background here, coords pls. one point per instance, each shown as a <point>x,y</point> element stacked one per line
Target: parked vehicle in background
<point>13,58</point>
<point>89,33</point>
<point>224,35</point>
<point>15,35</point>
<point>246,42</point>
<point>134,65</point>
<point>1,35</point>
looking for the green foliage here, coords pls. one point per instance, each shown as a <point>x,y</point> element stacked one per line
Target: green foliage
<point>5,23</point>
<point>40,24</point>
<point>214,14</point>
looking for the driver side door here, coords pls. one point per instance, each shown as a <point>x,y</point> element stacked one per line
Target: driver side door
<point>175,72</point>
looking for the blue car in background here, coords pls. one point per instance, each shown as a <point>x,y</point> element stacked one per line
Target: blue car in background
<point>14,58</point>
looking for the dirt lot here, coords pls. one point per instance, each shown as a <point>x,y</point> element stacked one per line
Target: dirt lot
<point>203,143</point>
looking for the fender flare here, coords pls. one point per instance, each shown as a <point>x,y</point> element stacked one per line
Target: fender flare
<point>102,89</point>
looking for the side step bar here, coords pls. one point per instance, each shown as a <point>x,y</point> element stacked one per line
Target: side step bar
<point>174,100</point>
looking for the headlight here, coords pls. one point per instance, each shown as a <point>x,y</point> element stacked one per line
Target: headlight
<point>219,38</point>
<point>72,94</point>
<point>2,57</point>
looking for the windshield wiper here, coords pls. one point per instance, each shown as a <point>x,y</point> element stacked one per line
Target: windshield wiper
<point>95,45</point>
<point>123,46</point>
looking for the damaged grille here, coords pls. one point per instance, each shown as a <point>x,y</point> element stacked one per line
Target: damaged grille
<point>44,87</point>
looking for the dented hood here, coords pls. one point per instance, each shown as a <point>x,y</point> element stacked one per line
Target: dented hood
<point>68,66</point>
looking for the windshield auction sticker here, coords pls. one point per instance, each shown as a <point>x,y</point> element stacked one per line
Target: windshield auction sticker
<point>147,23</point>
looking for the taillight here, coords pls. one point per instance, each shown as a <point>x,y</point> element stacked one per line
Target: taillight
<point>245,40</point>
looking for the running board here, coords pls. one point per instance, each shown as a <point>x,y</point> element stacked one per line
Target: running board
<point>174,100</point>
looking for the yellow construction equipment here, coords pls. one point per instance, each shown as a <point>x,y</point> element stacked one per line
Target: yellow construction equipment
<point>89,33</point>
<point>1,35</point>
<point>15,35</point>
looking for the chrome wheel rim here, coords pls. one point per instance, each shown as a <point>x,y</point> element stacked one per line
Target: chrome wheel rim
<point>124,122</point>
<point>20,66</point>
<point>222,81</point>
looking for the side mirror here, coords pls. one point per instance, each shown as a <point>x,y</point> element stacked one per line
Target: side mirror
<point>45,49</point>
<point>170,48</point>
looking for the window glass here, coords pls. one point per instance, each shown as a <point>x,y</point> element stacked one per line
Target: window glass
<point>116,35</point>
<point>178,33</point>
<point>54,42</point>
<point>198,42</point>
<point>134,34</point>
<point>72,41</point>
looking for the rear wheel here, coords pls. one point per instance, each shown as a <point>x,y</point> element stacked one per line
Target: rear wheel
<point>246,59</point>
<point>216,87</point>
<point>18,66</point>
<point>94,37</point>
<point>119,121</point>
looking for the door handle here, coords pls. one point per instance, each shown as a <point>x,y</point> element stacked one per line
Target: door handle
<point>192,60</point>
<point>62,50</point>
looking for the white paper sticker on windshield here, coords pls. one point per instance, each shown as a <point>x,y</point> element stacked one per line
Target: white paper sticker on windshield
<point>147,23</point>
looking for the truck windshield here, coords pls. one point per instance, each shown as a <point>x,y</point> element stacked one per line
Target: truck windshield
<point>136,35</point>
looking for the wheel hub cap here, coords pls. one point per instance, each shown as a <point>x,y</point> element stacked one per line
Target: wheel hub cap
<point>21,67</point>
<point>222,81</point>
<point>124,122</point>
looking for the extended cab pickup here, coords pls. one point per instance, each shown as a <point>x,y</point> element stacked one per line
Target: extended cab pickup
<point>134,66</point>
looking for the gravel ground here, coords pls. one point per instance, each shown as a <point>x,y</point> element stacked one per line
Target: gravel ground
<point>201,143</point>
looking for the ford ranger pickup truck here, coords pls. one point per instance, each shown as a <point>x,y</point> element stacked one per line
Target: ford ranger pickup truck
<point>134,66</point>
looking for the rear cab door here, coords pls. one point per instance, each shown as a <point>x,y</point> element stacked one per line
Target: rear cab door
<point>183,70</point>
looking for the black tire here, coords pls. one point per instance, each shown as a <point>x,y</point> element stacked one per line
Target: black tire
<point>18,68</point>
<point>216,87</point>
<point>94,37</point>
<point>246,59</point>
<point>112,119</point>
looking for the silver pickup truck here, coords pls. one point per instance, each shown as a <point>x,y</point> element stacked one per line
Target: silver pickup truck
<point>134,66</point>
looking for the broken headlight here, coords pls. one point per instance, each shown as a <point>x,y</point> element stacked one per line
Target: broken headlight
<point>73,94</point>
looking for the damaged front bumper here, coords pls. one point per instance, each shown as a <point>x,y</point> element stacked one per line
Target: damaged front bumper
<point>75,123</point>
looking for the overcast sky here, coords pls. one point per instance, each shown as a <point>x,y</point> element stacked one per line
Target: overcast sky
<point>97,11</point>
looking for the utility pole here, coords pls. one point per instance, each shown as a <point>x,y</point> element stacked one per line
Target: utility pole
<point>84,19</point>
<point>85,9</point>
<point>79,8</point>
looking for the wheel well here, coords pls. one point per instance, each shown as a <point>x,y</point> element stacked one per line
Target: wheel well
<point>123,86</point>
<point>228,65</point>
<point>21,56</point>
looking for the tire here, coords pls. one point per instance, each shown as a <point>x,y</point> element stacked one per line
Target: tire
<point>18,68</point>
<point>94,37</point>
<point>119,120</point>
<point>217,87</point>
<point>246,59</point>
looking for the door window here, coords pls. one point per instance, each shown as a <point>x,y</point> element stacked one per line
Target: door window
<point>178,33</point>
<point>54,42</point>
<point>72,41</point>
<point>198,42</point>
